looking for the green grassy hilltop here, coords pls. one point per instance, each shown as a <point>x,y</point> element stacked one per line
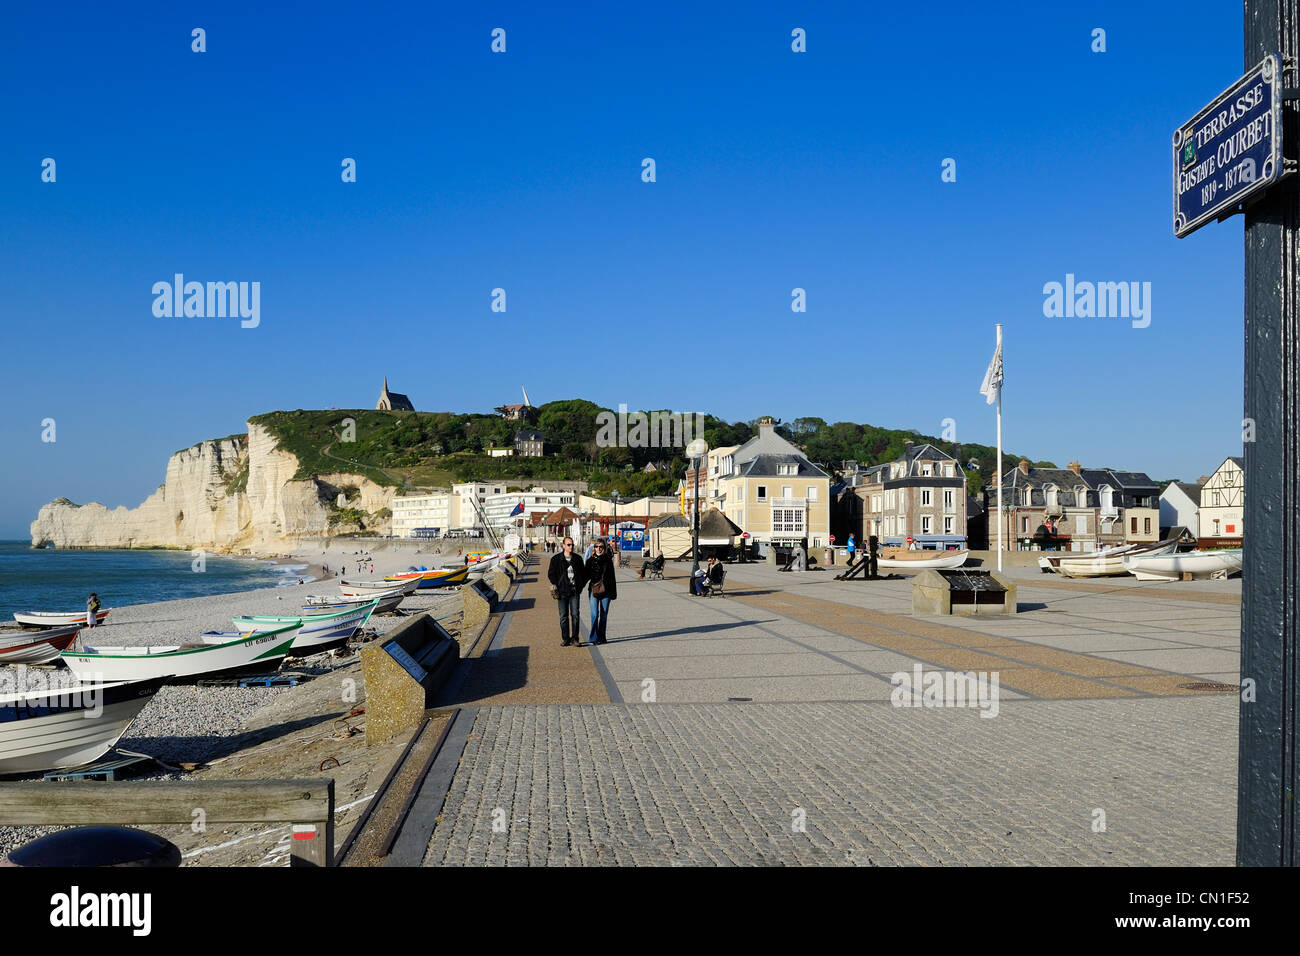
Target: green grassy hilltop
<point>435,449</point>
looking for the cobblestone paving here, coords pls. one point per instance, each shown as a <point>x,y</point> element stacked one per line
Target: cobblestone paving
<point>687,784</point>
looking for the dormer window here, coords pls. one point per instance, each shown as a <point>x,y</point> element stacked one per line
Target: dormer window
<point>787,469</point>
<point>1050,492</point>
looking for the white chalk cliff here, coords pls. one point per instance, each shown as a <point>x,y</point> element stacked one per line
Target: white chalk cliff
<point>229,494</point>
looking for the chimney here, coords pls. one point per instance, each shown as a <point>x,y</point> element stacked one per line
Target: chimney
<point>1024,467</point>
<point>765,425</point>
<point>1203,479</point>
<point>1074,467</point>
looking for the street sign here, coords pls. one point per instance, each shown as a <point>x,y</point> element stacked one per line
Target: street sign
<point>1231,149</point>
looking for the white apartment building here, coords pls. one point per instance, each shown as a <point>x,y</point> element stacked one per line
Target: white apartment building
<point>469,492</point>
<point>497,507</point>
<point>436,510</point>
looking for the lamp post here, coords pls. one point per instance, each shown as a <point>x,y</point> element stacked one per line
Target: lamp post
<point>696,450</point>
<point>614,543</point>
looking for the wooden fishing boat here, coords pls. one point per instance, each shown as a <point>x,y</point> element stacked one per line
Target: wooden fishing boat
<point>324,603</point>
<point>1171,567</point>
<point>902,559</point>
<point>441,578</point>
<point>68,726</point>
<point>1109,563</point>
<point>257,652</point>
<point>35,647</point>
<point>362,588</point>
<point>319,632</point>
<point>57,618</point>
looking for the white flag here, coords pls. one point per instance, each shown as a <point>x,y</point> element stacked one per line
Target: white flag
<point>993,378</point>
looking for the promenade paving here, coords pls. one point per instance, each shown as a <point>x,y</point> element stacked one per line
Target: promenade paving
<point>757,728</point>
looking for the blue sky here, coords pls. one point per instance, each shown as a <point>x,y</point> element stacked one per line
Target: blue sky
<point>775,170</point>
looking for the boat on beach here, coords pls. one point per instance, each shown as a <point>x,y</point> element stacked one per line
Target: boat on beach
<point>1171,567</point>
<point>439,578</point>
<point>35,647</point>
<point>257,652</point>
<point>324,603</point>
<point>68,726</point>
<point>361,588</point>
<point>56,618</point>
<point>1094,564</point>
<point>903,559</point>
<point>319,632</point>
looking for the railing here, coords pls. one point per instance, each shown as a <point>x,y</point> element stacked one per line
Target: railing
<point>309,804</point>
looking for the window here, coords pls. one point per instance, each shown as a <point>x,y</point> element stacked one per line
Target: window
<point>926,497</point>
<point>925,471</point>
<point>787,491</point>
<point>1029,497</point>
<point>1050,492</point>
<point>787,469</point>
<point>787,521</point>
<point>762,492</point>
<point>949,500</point>
<point>812,492</point>
<point>1133,528</point>
<point>925,524</point>
<point>1216,499</point>
<point>1147,525</point>
<point>947,526</point>
<point>1216,527</point>
<point>1024,526</point>
<point>947,471</point>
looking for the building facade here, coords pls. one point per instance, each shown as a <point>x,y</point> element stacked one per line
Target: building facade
<point>1223,504</point>
<point>1073,509</point>
<point>919,498</point>
<point>1180,505</point>
<point>768,488</point>
<point>423,515</point>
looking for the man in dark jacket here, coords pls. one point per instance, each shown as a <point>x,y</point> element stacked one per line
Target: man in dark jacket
<point>567,576</point>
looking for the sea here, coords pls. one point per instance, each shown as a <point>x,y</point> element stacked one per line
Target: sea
<point>55,579</point>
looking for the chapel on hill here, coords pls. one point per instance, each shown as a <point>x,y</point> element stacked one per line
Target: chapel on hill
<point>393,401</point>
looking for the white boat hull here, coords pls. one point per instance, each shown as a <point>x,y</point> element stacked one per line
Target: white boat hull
<point>261,652</point>
<point>373,589</point>
<point>332,630</point>
<point>36,647</point>
<point>939,560</point>
<point>326,605</point>
<point>54,730</point>
<point>1171,567</point>
<point>56,618</point>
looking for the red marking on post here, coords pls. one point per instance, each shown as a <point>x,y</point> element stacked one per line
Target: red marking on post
<point>304,833</point>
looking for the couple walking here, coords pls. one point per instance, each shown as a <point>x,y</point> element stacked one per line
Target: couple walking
<point>569,574</point>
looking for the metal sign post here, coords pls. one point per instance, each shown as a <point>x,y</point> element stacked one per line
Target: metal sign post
<point>1270,591</point>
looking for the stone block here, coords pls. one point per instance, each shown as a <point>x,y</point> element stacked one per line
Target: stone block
<point>403,673</point>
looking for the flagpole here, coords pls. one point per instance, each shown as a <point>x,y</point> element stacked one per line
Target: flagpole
<point>1001,519</point>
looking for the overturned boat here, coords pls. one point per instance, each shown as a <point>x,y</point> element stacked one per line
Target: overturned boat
<point>1171,567</point>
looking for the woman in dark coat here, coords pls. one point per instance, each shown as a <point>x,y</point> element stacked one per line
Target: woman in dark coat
<point>602,587</point>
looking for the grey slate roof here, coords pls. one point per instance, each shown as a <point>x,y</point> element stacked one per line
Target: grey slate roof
<point>1125,485</point>
<point>765,466</point>
<point>766,442</point>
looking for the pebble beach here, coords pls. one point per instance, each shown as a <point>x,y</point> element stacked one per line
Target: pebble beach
<point>192,725</point>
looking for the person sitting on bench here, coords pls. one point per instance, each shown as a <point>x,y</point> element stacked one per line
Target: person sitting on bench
<point>655,565</point>
<point>710,577</point>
